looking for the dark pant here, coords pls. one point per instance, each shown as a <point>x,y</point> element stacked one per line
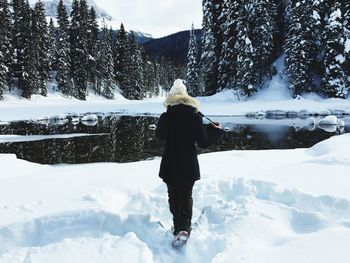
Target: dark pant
<point>181,202</point>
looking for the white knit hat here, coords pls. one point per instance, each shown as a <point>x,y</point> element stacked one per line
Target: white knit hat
<point>178,88</point>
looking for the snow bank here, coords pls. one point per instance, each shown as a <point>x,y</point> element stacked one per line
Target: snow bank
<point>251,206</point>
<point>29,138</point>
<point>329,120</point>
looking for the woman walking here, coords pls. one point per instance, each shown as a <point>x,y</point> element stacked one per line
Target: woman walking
<point>181,127</point>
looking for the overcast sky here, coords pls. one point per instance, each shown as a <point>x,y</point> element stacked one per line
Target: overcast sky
<point>156,17</point>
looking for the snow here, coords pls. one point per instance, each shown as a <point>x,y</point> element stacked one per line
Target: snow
<point>316,15</point>
<point>347,45</point>
<point>275,95</point>
<point>329,120</point>
<point>29,138</point>
<point>340,58</point>
<point>275,89</point>
<point>249,206</point>
<point>89,119</point>
<point>335,15</point>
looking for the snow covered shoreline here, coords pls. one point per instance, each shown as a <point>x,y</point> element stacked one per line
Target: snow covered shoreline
<point>221,104</point>
<point>249,206</point>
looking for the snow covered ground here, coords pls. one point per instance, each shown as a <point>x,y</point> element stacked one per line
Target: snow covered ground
<point>250,206</point>
<point>275,96</point>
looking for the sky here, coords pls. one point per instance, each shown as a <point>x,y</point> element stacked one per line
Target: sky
<point>156,17</point>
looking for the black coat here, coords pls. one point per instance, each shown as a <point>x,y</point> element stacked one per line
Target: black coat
<point>181,127</point>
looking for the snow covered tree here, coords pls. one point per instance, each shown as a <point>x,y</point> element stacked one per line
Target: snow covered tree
<point>52,51</point>
<point>29,71</point>
<point>74,45</point>
<point>317,29</point>
<point>246,77</point>
<point>263,15</point>
<point>134,86</point>
<point>106,80</point>
<point>211,44</point>
<point>164,71</point>
<point>150,75</point>
<point>92,47</point>
<point>247,43</point>
<point>346,65</point>
<point>121,56</point>
<point>301,46</point>
<point>78,47</point>
<point>227,64</point>
<point>41,38</point>
<point>334,78</point>
<point>192,76</point>
<point>63,66</point>
<point>5,42</point>
<point>128,65</point>
<point>20,37</point>
<point>3,75</point>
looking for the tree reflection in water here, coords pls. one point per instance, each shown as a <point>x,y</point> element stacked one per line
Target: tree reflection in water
<point>129,138</point>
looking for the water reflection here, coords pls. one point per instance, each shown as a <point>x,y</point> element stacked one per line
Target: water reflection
<point>115,138</point>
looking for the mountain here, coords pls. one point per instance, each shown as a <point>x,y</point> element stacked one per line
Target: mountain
<point>173,47</point>
<point>102,16</point>
<point>142,38</point>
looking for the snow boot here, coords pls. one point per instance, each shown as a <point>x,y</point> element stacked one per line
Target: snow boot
<point>180,239</point>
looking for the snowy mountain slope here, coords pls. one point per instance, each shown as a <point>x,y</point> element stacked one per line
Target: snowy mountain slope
<point>250,206</point>
<point>51,8</point>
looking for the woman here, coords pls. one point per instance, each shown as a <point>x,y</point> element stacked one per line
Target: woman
<point>181,127</point>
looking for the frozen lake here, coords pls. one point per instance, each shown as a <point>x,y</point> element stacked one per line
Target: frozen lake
<point>119,138</point>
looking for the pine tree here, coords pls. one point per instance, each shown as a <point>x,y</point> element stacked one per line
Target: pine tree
<point>334,78</point>
<point>5,42</point>
<point>192,76</point>
<point>150,75</point>
<point>78,48</point>
<point>346,65</point>
<point>301,47</point>
<point>106,65</point>
<point>52,50</point>
<point>15,15</point>
<point>317,28</point>
<point>20,37</point>
<point>121,56</point>
<point>281,22</point>
<point>92,47</point>
<point>246,76</point>
<point>134,86</point>
<point>29,55</point>
<point>248,43</point>
<point>74,44</point>
<point>32,55</point>
<point>41,37</point>
<point>211,44</point>
<point>82,51</point>
<point>263,15</point>
<point>3,74</point>
<point>162,72</point>
<point>227,64</point>
<point>63,65</point>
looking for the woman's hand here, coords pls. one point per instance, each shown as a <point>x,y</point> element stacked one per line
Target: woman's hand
<point>216,125</point>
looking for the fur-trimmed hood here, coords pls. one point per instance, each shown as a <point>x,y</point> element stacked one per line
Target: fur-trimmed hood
<point>182,99</point>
